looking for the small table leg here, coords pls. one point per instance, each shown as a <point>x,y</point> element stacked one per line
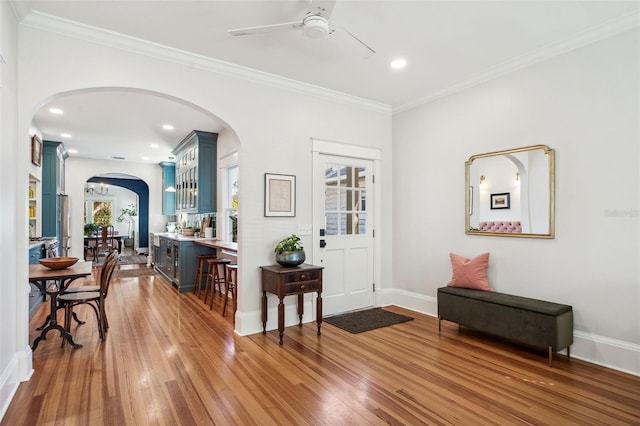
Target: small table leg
<point>264,312</point>
<point>300,308</point>
<point>281,318</point>
<point>319,311</point>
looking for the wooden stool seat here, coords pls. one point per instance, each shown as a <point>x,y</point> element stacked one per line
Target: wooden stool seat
<point>201,270</point>
<point>214,277</point>
<point>231,285</point>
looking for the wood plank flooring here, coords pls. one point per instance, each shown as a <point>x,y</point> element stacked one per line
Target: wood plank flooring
<point>169,360</point>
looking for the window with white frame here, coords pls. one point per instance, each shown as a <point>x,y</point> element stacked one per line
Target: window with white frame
<point>232,203</point>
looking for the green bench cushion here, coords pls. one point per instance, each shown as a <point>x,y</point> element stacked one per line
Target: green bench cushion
<point>525,303</point>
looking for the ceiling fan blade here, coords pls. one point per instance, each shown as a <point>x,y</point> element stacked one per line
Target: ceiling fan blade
<point>323,8</point>
<point>366,47</point>
<point>344,38</point>
<point>264,29</point>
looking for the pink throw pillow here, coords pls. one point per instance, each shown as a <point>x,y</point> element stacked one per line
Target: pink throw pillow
<point>470,273</point>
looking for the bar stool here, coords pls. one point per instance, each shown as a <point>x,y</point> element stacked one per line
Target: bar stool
<point>231,284</point>
<point>214,277</point>
<point>200,271</point>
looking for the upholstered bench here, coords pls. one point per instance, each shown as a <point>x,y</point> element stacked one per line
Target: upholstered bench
<point>533,322</point>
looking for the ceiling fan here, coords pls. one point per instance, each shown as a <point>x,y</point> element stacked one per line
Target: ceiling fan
<point>314,24</point>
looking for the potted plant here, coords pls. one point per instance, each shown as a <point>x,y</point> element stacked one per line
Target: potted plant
<point>91,229</point>
<point>126,215</point>
<point>290,252</point>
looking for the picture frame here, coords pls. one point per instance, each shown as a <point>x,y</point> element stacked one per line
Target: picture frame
<point>501,201</point>
<point>279,195</point>
<point>36,150</point>
<point>470,200</point>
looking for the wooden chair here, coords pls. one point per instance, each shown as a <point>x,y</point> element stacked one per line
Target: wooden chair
<point>95,299</point>
<point>107,242</point>
<point>89,249</point>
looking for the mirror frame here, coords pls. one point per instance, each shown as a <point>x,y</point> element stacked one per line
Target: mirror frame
<point>551,162</point>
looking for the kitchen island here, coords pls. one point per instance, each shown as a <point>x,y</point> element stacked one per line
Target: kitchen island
<point>175,256</point>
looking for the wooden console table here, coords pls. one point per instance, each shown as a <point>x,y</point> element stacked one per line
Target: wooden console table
<point>283,281</point>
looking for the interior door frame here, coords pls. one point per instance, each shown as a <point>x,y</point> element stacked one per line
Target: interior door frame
<point>340,149</point>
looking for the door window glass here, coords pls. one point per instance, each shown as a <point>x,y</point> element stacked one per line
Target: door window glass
<point>345,199</point>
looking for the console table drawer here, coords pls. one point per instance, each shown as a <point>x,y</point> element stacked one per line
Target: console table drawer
<point>298,276</point>
<point>301,286</point>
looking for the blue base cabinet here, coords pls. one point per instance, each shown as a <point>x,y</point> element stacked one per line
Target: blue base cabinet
<point>177,261</point>
<point>36,252</point>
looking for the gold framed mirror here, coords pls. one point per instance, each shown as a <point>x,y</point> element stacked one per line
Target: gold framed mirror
<point>511,193</point>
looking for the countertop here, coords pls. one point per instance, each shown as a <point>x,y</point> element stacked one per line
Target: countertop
<point>33,244</point>
<point>207,242</point>
<point>212,242</point>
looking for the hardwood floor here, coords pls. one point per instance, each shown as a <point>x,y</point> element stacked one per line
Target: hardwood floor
<point>169,360</point>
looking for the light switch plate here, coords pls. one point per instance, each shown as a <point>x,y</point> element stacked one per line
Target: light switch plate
<point>305,229</point>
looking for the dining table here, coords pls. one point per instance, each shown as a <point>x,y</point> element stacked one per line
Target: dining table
<point>92,241</point>
<point>53,282</point>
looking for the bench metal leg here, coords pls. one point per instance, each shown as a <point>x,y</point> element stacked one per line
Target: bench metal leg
<point>439,324</point>
<point>568,351</point>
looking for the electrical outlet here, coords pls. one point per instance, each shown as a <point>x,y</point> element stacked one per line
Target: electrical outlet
<point>305,229</point>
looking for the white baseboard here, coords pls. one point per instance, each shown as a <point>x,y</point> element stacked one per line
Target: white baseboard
<point>18,370</point>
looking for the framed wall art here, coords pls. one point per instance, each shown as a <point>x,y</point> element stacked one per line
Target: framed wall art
<point>36,150</point>
<point>279,195</point>
<point>501,201</point>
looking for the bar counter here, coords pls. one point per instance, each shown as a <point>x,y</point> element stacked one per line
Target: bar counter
<point>206,242</point>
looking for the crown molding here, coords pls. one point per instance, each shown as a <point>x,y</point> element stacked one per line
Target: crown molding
<point>68,28</point>
<point>592,35</point>
<point>21,8</point>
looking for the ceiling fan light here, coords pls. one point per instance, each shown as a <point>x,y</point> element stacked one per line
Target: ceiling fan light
<point>315,26</point>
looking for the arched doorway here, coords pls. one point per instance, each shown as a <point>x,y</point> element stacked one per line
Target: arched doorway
<point>141,189</point>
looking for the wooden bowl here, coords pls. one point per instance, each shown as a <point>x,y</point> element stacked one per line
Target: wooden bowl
<point>188,232</point>
<point>58,262</point>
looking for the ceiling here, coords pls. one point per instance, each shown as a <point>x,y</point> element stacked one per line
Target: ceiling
<point>448,45</point>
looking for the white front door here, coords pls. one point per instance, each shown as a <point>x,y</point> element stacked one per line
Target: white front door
<point>343,221</point>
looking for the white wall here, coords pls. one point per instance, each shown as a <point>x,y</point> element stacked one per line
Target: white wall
<point>14,350</point>
<point>585,105</point>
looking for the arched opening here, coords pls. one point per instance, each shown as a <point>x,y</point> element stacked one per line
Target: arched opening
<point>136,141</point>
<point>141,189</point>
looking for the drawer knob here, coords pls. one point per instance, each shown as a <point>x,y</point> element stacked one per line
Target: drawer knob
<point>302,287</point>
<point>302,277</point>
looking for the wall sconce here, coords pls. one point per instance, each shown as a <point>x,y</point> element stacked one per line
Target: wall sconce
<point>91,190</point>
<point>483,182</point>
<point>517,181</point>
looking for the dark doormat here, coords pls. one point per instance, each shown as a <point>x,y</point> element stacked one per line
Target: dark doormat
<point>365,320</point>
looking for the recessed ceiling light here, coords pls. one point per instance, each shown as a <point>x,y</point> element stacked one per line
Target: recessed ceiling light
<point>145,158</point>
<point>65,135</point>
<point>56,111</point>
<point>72,151</point>
<point>397,64</point>
<point>167,126</point>
<point>154,145</point>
